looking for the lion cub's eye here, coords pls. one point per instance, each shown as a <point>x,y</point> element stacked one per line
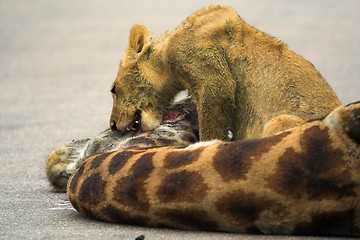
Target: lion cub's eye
<point>113,89</point>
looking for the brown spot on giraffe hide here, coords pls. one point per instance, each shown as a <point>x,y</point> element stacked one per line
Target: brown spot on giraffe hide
<point>245,208</point>
<point>89,212</point>
<point>184,186</point>
<point>317,171</point>
<point>233,160</point>
<point>330,223</point>
<point>191,217</point>
<point>253,230</point>
<point>97,161</point>
<point>131,190</point>
<point>118,161</point>
<point>75,205</point>
<point>119,216</point>
<point>351,121</point>
<point>181,158</point>
<point>92,190</point>
<point>75,178</point>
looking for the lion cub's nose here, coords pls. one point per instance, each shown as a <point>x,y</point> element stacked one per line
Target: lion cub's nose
<point>113,126</point>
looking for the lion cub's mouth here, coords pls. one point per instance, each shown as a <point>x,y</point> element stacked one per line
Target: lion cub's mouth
<point>135,124</point>
<point>171,115</point>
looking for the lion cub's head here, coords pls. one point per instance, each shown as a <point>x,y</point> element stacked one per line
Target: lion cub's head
<point>139,96</point>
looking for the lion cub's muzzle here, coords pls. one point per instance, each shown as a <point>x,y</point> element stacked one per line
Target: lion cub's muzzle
<point>134,125</point>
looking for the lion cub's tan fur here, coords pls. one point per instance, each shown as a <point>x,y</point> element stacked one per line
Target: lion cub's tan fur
<point>238,76</point>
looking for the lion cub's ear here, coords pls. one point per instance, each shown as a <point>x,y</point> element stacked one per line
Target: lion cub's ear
<point>139,36</point>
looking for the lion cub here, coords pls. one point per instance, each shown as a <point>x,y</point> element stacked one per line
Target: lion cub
<point>238,77</point>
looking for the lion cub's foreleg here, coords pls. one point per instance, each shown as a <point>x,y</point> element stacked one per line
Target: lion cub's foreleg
<point>215,96</point>
<point>215,111</point>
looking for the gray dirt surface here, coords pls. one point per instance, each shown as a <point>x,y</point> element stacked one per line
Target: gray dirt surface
<point>58,60</point>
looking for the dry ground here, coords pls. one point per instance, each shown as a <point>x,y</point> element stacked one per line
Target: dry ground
<point>58,60</point>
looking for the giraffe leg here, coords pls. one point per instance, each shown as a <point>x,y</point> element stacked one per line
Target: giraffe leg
<point>60,162</point>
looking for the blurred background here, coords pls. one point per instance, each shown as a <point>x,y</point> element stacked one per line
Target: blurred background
<point>59,58</point>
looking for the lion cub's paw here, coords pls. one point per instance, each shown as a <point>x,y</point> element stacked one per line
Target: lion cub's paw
<point>62,162</point>
<point>281,123</point>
